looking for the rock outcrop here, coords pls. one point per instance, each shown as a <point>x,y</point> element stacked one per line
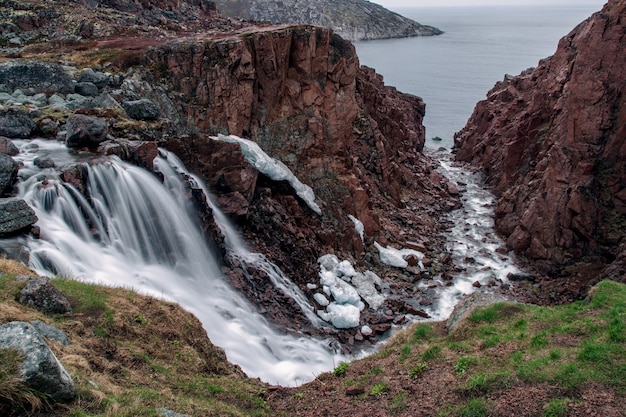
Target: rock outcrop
<point>552,142</point>
<point>351,19</point>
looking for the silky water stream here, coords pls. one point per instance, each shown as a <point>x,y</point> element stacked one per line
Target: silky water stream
<point>137,232</point>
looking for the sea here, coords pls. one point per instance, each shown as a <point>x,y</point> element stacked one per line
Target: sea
<point>480,45</point>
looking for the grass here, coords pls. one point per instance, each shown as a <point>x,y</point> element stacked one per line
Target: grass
<point>129,355</point>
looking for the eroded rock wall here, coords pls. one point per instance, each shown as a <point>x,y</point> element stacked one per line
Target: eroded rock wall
<point>552,142</point>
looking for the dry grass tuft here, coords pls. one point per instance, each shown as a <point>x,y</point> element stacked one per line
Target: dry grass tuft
<point>9,266</point>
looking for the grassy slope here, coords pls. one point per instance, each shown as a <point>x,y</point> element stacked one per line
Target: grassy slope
<point>130,354</point>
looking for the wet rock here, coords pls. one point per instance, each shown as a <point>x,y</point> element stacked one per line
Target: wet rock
<point>7,147</point>
<point>44,162</point>
<point>48,126</point>
<point>42,77</point>
<point>40,369</point>
<point>16,123</point>
<point>521,276</point>
<point>86,89</point>
<point>15,216</point>
<point>85,130</point>
<point>8,173</point>
<point>143,109</point>
<point>39,293</point>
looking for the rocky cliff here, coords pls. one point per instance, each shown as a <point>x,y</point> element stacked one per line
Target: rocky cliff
<point>351,19</point>
<point>552,142</point>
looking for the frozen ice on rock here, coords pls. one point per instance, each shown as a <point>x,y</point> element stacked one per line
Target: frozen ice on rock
<point>365,285</point>
<point>346,269</point>
<point>271,167</point>
<point>328,278</point>
<point>344,293</point>
<point>321,299</point>
<point>311,286</point>
<point>358,226</point>
<point>366,331</point>
<point>396,257</point>
<point>328,262</point>
<point>341,316</point>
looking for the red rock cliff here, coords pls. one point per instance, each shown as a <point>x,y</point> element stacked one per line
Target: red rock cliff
<point>552,142</point>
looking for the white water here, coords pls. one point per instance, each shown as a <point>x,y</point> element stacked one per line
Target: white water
<point>472,241</point>
<point>139,236</point>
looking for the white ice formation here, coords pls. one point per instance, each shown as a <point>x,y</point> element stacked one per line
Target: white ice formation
<point>397,257</point>
<point>344,311</point>
<point>358,226</point>
<point>272,168</point>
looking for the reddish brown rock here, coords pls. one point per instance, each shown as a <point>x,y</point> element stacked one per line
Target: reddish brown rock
<point>553,144</point>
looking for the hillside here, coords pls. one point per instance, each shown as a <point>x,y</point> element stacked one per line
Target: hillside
<point>351,19</point>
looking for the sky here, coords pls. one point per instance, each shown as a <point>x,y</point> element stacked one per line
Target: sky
<point>428,3</point>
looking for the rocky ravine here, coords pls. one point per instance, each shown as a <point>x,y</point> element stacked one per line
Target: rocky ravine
<point>298,91</point>
<point>552,142</point>
<point>351,19</point>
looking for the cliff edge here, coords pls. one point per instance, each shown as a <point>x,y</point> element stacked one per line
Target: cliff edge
<point>552,142</point>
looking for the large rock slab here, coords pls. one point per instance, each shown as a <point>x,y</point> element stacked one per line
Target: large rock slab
<point>15,216</point>
<point>41,76</point>
<point>41,370</point>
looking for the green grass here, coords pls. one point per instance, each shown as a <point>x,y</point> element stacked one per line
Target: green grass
<point>341,369</point>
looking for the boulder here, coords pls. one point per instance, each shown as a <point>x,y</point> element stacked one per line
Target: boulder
<point>86,89</point>
<point>40,294</point>
<point>16,123</point>
<point>50,332</point>
<point>41,76</point>
<point>40,368</point>
<point>468,304</point>
<point>44,162</point>
<point>143,109</point>
<point>8,173</point>
<point>85,130</point>
<point>99,79</point>
<point>15,216</point>
<point>7,147</point>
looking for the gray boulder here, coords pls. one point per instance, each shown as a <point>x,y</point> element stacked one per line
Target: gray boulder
<point>16,123</point>
<point>15,216</point>
<point>39,293</point>
<point>86,89</point>
<point>40,76</point>
<point>85,130</point>
<point>50,332</point>
<point>88,75</point>
<point>8,173</point>
<point>44,162</point>
<point>7,147</point>
<point>143,109</point>
<point>40,368</point>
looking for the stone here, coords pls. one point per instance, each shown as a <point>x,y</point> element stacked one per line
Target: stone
<point>468,304</point>
<point>15,216</point>
<point>99,79</point>
<point>169,413</point>
<point>39,293</point>
<point>143,109</point>
<point>85,130</point>
<point>86,89</point>
<point>40,368</point>
<point>8,173</point>
<point>44,162</point>
<point>41,76</point>
<point>16,123</point>
<point>7,147</point>
<point>50,332</point>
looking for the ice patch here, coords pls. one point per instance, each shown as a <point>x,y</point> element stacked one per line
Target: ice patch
<point>321,299</point>
<point>397,257</point>
<point>271,167</point>
<point>365,285</point>
<point>358,226</point>
<point>341,316</point>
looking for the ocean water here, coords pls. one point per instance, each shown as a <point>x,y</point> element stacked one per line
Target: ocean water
<point>453,71</point>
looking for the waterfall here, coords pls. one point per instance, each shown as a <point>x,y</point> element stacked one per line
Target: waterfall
<point>135,232</point>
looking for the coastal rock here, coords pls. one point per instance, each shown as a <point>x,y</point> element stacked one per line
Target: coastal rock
<point>351,19</point>
<point>85,130</point>
<point>40,369</point>
<point>552,143</point>
<point>15,216</point>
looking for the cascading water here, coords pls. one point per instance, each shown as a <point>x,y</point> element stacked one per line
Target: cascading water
<point>134,232</point>
<point>472,241</point>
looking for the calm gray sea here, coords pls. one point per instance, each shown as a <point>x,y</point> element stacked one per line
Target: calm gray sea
<point>453,71</point>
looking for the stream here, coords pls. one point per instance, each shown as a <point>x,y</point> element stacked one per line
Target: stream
<point>139,233</point>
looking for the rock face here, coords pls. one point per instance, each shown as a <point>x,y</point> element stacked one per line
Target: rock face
<point>41,370</point>
<point>552,142</point>
<point>351,19</point>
